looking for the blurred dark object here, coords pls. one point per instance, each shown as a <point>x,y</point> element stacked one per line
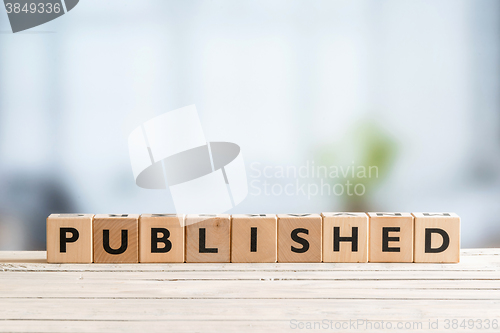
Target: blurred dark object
<point>28,199</point>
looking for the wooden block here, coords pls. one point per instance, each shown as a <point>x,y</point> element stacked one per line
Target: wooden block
<point>254,238</point>
<point>299,238</point>
<point>116,238</point>
<point>391,237</point>
<point>437,237</point>
<point>208,238</point>
<point>345,237</point>
<point>161,238</point>
<point>69,238</point>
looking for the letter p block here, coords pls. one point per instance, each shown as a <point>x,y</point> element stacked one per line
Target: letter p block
<point>69,238</point>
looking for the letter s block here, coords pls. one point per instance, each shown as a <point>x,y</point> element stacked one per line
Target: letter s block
<point>116,238</point>
<point>299,238</point>
<point>161,238</point>
<point>69,238</point>
<point>437,237</point>
<point>391,237</point>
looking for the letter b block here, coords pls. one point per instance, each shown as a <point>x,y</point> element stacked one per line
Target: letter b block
<point>161,238</point>
<point>208,238</point>
<point>299,238</point>
<point>437,237</point>
<point>116,238</point>
<point>69,238</point>
<point>391,237</point>
<point>345,237</point>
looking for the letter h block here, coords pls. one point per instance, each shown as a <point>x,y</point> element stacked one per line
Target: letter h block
<point>391,237</point>
<point>116,238</point>
<point>299,238</point>
<point>161,238</point>
<point>69,238</point>
<point>437,237</point>
<point>345,237</point>
<point>208,238</point>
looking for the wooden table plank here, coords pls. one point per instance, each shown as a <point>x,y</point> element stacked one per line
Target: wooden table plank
<point>40,297</point>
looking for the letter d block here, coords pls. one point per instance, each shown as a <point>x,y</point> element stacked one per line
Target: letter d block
<point>345,237</point>
<point>208,238</point>
<point>161,238</point>
<point>116,238</point>
<point>69,238</point>
<point>391,237</point>
<point>299,238</point>
<point>437,237</point>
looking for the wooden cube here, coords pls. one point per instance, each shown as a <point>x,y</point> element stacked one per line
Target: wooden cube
<point>437,237</point>
<point>253,238</point>
<point>116,238</point>
<point>161,238</point>
<point>299,238</point>
<point>208,238</point>
<point>391,237</point>
<point>69,238</point>
<point>345,237</point>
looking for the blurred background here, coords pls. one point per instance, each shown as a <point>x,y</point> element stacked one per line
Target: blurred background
<point>412,87</point>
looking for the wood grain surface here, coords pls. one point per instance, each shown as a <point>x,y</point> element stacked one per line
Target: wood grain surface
<point>258,297</point>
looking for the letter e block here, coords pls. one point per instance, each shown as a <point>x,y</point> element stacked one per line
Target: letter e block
<point>391,237</point>
<point>345,237</point>
<point>69,238</point>
<point>208,238</point>
<point>253,238</point>
<point>437,237</point>
<point>299,238</point>
<point>116,238</point>
<point>161,238</point>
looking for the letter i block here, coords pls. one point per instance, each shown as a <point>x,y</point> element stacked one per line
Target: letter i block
<point>254,238</point>
<point>437,237</point>
<point>345,237</point>
<point>299,238</point>
<point>69,238</point>
<point>116,238</point>
<point>208,238</point>
<point>391,237</point>
<point>161,238</point>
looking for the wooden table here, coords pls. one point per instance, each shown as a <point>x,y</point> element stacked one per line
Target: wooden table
<point>41,297</point>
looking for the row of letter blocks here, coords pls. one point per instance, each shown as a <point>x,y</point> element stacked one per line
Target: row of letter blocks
<point>329,237</point>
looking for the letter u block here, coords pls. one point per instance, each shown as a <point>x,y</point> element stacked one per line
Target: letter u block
<point>345,237</point>
<point>391,237</point>
<point>437,237</point>
<point>161,238</point>
<point>69,238</point>
<point>208,238</point>
<point>299,238</point>
<point>116,238</point>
